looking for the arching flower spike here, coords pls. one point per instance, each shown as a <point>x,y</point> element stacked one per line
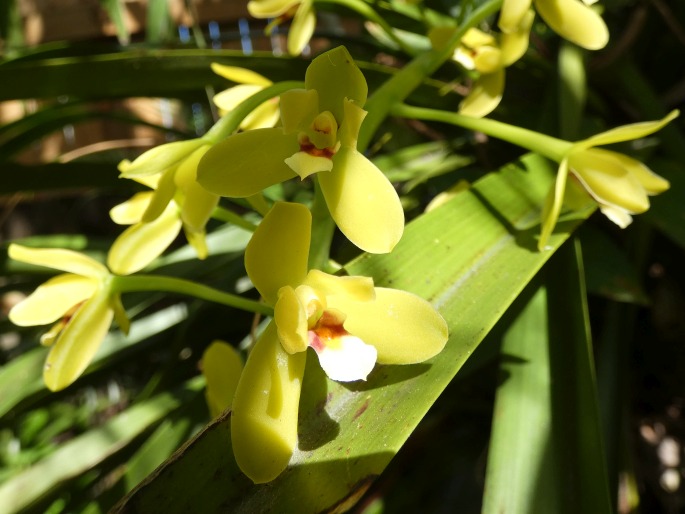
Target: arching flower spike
<point>80,304</point>
<point>348,322</point>
<point>321,125</point>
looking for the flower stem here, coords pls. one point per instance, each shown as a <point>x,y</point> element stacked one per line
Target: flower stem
<point>323,228</point>
<point>548,146</point>
<point>227,216</point>
<point>125,284</point>
<point>229,123</point>
<point>396,89</point>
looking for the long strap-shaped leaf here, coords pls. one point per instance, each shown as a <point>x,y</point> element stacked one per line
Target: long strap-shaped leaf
<point>468,258</point>
<point>545,449</point>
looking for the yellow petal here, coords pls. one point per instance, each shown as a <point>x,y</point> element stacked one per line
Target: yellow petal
<point>305,165</point>
<point>230,98</point>
<point>52,300</point>
<point>515,44</point>
<point>488,59</point>
<point>198,240</point>
<point>291,320</point>
<point>131,211</point>
<point>59,259</point>
<point>142,243</point>
<point>604,177</point>
<point>358,288</point>
<point>269,8</point>
<point>346,358</point>
<point>163,194</point>
<point>79,341</point>
<point>278,252</point>
<point>299,107</point>
<point>302,28</point>
<point>240,75</point>
<point>575,21</point>
<point>221,366</point>
<point>264,116</point>
<point>265,409</point>
<point>161,158</point>
<point>617,215</point>
<point>553,203</point>
<point>198,203</point>
<point>653,183</point>
<point>485,95</point>
<point>403,327</point>
<point>363,202</point>
<point>512,14</point>
<point>627,132</point>
<point>246,163</point>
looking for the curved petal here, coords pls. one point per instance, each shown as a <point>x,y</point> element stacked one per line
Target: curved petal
<point>163,194</point>
<point>52,300</point>
<point>357,288</point>
<point>575,21</point>
<point>512,14</point>
<point>363,202</point>
<point>161,158</point>
<point>278,252</point>
<point>627,132</point>
<point>243,164</point>
<point>488,59</point>
<point>131,211</point>
<point>79,341</point>
<point>265,408</point>
<point>299,107</point>
<point>335,76</point>
<point>346,359</point>
<point>221,366</point>
<point>485,95</point>
<point>305,165</point>
<point>142,243</point>
<point>302,28</point>
<point>515,44</point>
<point>291,321</point>
<point>197,203</point>
<point>59,259</point>
<point>230,98</point>
<point>265,115</point>
<point>404,328</point>
<point>552,207</point>
<point>198,240</point>
<point>240,75</point>
<point>653,183</point>
<point>617,215</point>
<point>349,130</point>
<point>608,181</point>
<point>269,8</point>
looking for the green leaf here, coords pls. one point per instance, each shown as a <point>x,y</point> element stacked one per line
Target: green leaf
<point>116,11</point>
<point>546,450</point>
<point>470,261</point>
<point>86,451</point>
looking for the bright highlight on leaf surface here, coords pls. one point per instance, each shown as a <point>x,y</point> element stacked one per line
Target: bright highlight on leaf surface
<point>573,20</point>
<point>78,302</point>
<point>319,134</point>
<point>348,322</point>
<point>620,184</point>
<point>176,202</point>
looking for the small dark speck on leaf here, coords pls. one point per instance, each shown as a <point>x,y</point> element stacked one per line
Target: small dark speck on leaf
<point>361,409</point>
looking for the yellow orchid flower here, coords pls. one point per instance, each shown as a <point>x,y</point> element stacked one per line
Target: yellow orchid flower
<point>156,217</point>
<point>619,184</point>
<point>249,83</point>
<point>484,53</point>
<point>349,323</point>
<point>80,304</point>
<point>300,11</point>
<point>574,20</point>
<point>221,366</point>
<point>319,135</point>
